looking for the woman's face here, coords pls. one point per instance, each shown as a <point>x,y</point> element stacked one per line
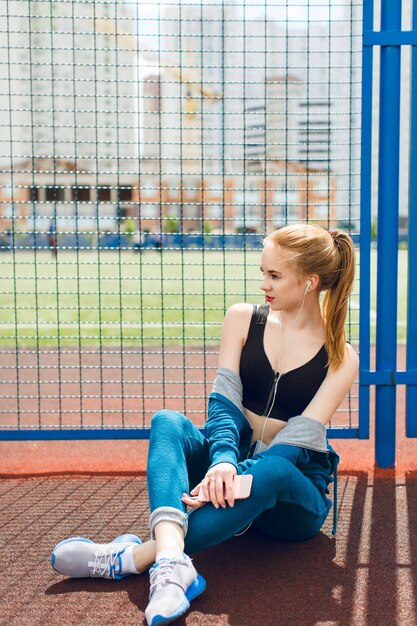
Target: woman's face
<point>283,287</point>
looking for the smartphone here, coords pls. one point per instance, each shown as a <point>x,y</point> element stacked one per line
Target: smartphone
<point>242,485</point>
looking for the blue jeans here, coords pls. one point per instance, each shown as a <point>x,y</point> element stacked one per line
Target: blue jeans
<point>288,498</point>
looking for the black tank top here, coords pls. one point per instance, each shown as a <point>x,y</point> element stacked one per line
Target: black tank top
<point>295,388</point>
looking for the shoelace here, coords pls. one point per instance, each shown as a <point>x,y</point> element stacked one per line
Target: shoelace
<point>161,572</point>
<point>104,564</point>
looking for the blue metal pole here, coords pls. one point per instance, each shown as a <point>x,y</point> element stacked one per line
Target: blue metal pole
<point>365,224</point>
<point>411,390</point>
<point>387,264</point>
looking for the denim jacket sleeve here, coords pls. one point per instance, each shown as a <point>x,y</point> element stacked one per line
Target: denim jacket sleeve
<point>227,428</point>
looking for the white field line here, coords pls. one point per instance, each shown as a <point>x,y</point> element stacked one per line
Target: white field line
<point>354,305</point>
<point>103,324</point>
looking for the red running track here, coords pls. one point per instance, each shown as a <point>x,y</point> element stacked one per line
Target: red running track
<point>365,576</point>
<point>65,383</point>
<point>60,457</point>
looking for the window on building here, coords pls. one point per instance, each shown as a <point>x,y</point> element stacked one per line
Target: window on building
<point>80,194</point>
<point>254,166</point>
<point>104,194</point>
<point>124,194</point>
<point>54,194</point>
<point>34,194</point>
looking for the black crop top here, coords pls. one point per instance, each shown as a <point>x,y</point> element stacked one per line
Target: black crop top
<point>296,388</point>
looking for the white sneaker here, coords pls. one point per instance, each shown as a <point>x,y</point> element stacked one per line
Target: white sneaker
<point>82,558</point>
<point>174,583</point>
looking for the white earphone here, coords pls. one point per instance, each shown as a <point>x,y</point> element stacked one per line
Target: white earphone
<point>308,286</point>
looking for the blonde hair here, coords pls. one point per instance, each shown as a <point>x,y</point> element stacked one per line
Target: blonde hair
<point>330,255</point>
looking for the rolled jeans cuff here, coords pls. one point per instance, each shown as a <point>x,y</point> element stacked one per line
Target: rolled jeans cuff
<point>167,514</point>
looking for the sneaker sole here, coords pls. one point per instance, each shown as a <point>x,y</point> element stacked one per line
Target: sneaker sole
<point>195,589</point>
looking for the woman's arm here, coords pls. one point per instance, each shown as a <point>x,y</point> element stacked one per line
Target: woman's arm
<point>234,331</point>
<point>222,426</point>
<point>333,389</point>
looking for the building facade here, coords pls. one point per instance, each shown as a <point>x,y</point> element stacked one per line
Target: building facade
<point>237,124</point>
<point>69,98</point>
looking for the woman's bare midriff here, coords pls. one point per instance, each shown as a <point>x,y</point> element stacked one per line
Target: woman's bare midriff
<point>272,426</point>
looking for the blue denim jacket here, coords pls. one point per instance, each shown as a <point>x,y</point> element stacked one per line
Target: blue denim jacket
<point>229,433</point>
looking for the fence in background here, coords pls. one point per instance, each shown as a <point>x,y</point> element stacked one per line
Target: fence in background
<point>145,150</point>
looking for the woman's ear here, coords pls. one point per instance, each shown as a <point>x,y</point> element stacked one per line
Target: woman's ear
<point>312,281</point>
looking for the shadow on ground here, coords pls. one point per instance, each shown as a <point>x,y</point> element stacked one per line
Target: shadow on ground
<point>366,575</point>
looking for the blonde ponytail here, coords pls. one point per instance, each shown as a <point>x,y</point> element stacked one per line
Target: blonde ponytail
<point>336,299</point>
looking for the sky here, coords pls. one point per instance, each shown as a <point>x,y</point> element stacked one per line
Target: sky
<point>291,10</point>
<point>296,13</point>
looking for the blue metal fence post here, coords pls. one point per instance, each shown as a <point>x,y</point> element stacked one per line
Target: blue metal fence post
<point>365,224</point>
<point>387,264</point>
<point>411,392</point>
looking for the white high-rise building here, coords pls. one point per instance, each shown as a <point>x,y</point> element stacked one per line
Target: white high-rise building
<point>290,95</point>
<point>227,97</point>
<point>69,101</point>
<point>185,128</point>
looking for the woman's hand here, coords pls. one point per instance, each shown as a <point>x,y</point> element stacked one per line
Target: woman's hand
<point>217,484</point>
<point>191,500</point>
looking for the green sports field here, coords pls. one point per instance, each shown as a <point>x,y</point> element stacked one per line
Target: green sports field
<point>123,297</point>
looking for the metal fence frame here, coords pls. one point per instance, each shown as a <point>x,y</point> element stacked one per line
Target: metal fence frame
<point>385,377</point>
<point>390,39</point>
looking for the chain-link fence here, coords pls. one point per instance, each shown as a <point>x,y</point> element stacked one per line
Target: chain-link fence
<point>145,150</point>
